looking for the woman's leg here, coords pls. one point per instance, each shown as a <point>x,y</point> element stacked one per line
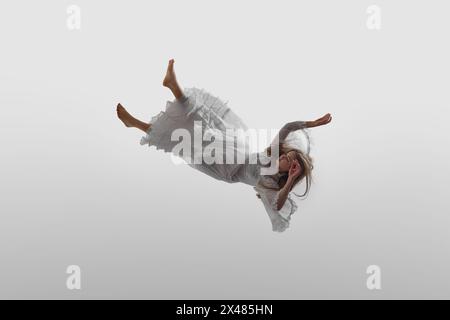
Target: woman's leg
<point>130,121</point>
<point>170,81</point>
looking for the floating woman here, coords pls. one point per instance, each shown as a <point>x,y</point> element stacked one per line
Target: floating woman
<point>194,109</point>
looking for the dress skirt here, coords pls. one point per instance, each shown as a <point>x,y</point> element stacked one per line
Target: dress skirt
<point>200,112</point>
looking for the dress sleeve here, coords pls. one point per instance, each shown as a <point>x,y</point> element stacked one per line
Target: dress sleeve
<point>279,218</point>
<point>288,128</point>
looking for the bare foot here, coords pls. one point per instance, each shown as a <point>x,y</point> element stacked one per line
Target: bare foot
<point>127,119</point>
<point>170,80</point>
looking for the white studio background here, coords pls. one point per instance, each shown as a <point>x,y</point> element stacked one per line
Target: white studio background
<point>78,189</point>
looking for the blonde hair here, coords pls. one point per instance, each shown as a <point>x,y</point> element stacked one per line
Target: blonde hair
<point>306,164</point>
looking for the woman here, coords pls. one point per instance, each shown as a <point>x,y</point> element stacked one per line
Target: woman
<point>195,109</point>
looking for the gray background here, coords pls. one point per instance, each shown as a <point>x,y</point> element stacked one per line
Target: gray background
<point>77,188</point>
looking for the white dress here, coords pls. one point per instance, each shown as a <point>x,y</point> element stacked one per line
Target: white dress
<point>200,110</point>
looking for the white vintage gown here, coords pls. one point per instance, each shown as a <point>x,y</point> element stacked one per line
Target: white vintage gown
<point>214,114</point>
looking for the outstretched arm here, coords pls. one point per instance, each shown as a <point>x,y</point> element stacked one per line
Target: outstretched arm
<point>290,127</point>
<point>297,125</point>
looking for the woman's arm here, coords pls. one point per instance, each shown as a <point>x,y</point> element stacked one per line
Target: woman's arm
<point>283,194</point>
<point>297,125</point>
<point>290,127</point>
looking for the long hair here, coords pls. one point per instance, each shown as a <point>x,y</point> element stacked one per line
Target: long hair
<point>306,164</point>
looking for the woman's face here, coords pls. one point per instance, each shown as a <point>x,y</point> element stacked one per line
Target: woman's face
<point>285,160</point>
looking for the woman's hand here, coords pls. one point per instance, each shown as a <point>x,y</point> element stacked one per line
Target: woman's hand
<point>326,119</point>
<point>295,170</point>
